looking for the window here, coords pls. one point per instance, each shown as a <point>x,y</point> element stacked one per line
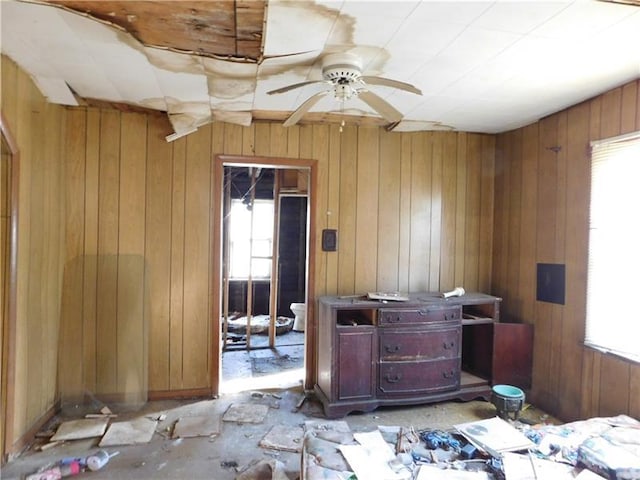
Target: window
<point>250,248</point>
<point>613,322</point>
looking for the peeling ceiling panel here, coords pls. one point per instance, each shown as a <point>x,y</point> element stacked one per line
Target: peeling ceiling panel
<point>485,66</point>
<point>122,59</point>
<point>51,49</point>
<point>56,90</point>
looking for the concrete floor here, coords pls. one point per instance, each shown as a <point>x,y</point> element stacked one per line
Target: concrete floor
<point>223,456</point>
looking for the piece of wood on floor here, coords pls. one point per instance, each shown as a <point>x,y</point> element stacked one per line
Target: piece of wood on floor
<point>246,413</point>
<point>139,430</point>
<point>201,426</point>
<point>79,429</point>
<point>283,437</point>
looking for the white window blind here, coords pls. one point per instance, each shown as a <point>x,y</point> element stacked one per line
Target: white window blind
<point>613,323</point>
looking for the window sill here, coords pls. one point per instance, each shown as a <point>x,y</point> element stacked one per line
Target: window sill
<point>629,359</point>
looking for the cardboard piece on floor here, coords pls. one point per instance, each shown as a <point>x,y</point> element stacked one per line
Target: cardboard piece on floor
<point>201,426</point>
<point>246,413</point>
<point>265,470</point>
<point>79,429</point>
<point>139,430</point>
<point>283,437</point>
<point>527,467</point>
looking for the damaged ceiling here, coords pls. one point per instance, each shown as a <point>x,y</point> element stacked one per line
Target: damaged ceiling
<point>482,66</point>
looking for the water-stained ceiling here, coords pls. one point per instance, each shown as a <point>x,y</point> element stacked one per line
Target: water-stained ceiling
<point>482,66</point>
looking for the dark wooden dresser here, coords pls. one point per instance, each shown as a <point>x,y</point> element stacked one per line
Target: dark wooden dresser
<point>426,349</point>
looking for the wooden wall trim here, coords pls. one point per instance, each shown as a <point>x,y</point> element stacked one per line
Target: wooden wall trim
<point>8,376</point>
<point>216,233</point>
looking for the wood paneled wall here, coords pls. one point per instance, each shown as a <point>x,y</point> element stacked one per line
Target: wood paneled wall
<point>541,216</point>
<point>38,129</point>
<point>414,211</point>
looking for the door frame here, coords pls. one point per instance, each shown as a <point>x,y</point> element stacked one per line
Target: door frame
<point>217,189</point>
<point>9,333</point>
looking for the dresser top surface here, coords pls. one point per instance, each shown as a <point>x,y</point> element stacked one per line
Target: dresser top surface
<point>416,299</point>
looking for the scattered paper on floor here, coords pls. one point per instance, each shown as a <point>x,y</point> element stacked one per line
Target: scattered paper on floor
<point>78,429</point>
<point>133,432</point>
<point>246,413</point>
<point>370,459</point>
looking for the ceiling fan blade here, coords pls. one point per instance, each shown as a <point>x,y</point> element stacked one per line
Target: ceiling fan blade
<point>387,82</point>
<point>294,86</point>
<point>384,108</point>
<point>304,108</point>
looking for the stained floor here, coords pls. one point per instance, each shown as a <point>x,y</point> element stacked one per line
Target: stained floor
<point>223,456</point>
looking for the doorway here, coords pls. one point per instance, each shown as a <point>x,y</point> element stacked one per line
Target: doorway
<point>265,227</point>
<point>8,265</point>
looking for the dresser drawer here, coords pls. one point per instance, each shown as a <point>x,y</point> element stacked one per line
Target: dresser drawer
<point>434,344</point>
<point>398,317</point>
<point>419,377</point>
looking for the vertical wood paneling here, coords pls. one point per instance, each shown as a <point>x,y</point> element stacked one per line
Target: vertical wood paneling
<point>333,206</point>
<point>196,260</point>
<point>107,278</point>
<point>514,225</point>
<point>472,227</point>
<point>569,380</point>
<point>176,333</point>
<point>448,224</point>
<point>71,332</point>
<point>461,208</point>
<point>436,214</point>
<point>420,216</point>
<point>39,133</point>
<point>90,248</point>
<point>388,212</point>
<point>391,196</point>
<point>132,331</point>
<point>577,209</point>
<point>485,241</point>
<point>367,210</point>
<point>347,230</point>
<point>158,253</point>
<point>404,239</point>
<point>320,152</point>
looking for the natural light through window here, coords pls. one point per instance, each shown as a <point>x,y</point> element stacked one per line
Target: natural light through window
<point>614,247</point>
<point>250,248</point>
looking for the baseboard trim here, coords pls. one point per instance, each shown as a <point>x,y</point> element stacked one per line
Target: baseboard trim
<point>29,436</point>
<point>180,394</point>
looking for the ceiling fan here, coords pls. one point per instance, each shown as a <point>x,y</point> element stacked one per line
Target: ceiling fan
<point>343,72</point>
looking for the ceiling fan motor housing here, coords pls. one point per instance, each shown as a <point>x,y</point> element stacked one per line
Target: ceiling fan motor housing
<point>341,68</point>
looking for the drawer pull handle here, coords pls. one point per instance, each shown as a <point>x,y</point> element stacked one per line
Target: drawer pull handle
<point>448,345</point>
<point>392,348</point>
<point>423,312</point>
<point>393,378</point>
<point>449,374</point>
<point>392,319</point>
